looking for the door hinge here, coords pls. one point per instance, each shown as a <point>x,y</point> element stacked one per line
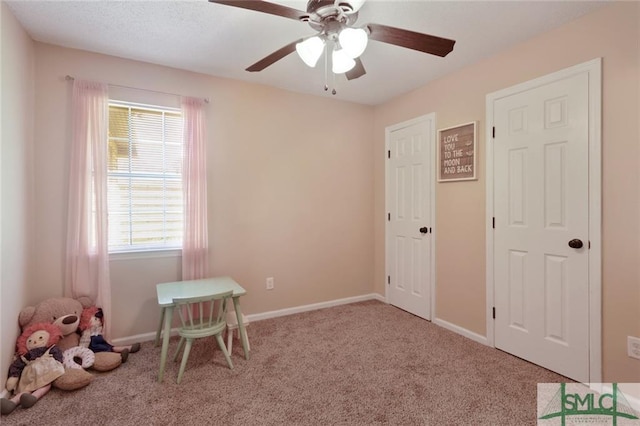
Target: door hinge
<point>494,132</point>
<point>430,230</point>
<point>389,154</point>
<point>388,279</point>
<point>494,312</point>
<point>389,217</point>
<point>493,223</point>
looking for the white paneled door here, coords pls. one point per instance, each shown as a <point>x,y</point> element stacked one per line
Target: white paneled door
<point>541,235</point>
<point>409,199</point>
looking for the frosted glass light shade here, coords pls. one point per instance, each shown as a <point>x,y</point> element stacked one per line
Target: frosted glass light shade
<point>341,62</point>
<point>310,50</point>
<point>353,41</point>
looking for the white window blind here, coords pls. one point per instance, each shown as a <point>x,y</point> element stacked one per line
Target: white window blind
<point>144,178</point>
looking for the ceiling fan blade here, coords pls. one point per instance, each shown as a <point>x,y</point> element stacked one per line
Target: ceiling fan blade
<point>357,71</point>
<point>265,7</point>
<point>274,57</point>
<point>410,39</point>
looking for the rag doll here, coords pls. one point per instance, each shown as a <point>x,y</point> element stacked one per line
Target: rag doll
<point>92,338</point>
<point>37,364</point>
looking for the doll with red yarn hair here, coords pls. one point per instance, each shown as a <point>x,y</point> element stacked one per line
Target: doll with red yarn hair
<point>92,338</point>
<point>37,364</point>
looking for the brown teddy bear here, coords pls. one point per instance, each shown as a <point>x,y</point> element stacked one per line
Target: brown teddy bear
<point>65,312</point>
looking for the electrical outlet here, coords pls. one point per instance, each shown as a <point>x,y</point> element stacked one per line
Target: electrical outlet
<point>270,284</point>
<point>633,347</point>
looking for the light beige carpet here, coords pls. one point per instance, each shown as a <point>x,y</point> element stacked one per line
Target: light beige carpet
<point>360,364</point>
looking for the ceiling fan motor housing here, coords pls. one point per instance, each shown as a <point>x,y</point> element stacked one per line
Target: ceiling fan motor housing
<point>324,12</point>
<point>317,6</point>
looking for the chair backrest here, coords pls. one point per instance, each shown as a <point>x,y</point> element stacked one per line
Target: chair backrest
<point>200,313</point>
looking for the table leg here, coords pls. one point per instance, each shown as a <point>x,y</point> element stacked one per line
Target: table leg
<point>160,325</point>
<point>166,336</point>
<point>243,333</point>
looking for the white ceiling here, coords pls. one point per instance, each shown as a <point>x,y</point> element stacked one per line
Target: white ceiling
<point>222,41</point>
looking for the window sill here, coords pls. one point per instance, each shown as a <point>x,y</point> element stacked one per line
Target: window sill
<point>147,254</point>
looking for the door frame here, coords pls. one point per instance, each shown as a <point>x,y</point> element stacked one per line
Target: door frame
<point>593,69</point>
<point>431,117</point>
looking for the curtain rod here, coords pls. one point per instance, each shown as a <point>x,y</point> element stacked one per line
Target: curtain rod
<point>70,77</point>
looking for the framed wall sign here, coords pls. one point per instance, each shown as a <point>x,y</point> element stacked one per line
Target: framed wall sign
<point>457,153</point>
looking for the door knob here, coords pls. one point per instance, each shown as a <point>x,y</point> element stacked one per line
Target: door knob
<point>424,230</point>
<point>575,243</point>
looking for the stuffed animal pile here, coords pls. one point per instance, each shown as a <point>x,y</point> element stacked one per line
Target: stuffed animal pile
<point>50,351</point>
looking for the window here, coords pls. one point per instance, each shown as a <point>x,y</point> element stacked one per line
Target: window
<point>144,178</point>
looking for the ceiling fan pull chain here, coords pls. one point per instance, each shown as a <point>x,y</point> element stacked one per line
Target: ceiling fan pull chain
<point>333,74</point>
<point>326,68</point>
<point>333,83</point>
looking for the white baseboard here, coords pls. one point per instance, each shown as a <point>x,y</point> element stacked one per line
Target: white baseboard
<point>145,337</point>
<point>378,297</point>
<point>314,306</point>
<point>462,331</point>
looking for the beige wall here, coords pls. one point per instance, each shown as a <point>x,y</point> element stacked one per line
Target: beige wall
<point>611,33</point>
<point>16,167</point>
<point>289,188</point>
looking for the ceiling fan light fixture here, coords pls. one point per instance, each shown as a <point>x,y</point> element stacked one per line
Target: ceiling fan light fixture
<point>341,62</point>
<point>310,50</point>
<point>353,41</point>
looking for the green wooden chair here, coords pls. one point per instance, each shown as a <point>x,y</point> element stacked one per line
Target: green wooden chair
<point>199,318</point>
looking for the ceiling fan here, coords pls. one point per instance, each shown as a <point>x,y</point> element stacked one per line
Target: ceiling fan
<point>334,21</point>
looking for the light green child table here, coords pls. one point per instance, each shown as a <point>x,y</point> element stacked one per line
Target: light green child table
<point>194,288</point>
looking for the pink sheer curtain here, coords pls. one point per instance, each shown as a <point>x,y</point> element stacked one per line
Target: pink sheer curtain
<point>87,257</point>
<point>195,246</point>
